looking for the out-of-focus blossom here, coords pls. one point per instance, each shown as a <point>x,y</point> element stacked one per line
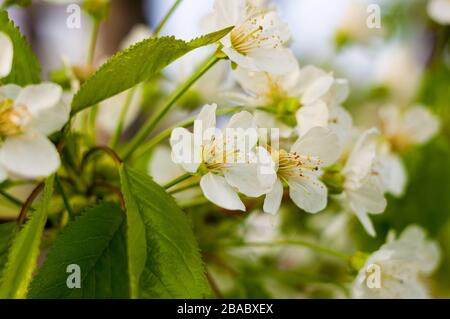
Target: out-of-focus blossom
<point>258,39</point>
<point>27,116</point>
<point>110,110</point>
<point>399,71</point>
<point>363,185</point>
<point>402,129</point>
<point>300,168</point>
<point>6,55</point>
<point>394,270</point>
<point>224,167</point>
<point>439,11</point>
<point>306,98</point>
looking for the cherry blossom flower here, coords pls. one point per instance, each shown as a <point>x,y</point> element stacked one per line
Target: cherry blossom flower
<point>394,270</point>
<point>258,39</point>
<point>27,116</point>
<point>225,169</point>
<point>439,11</point>
<point>300,169</point>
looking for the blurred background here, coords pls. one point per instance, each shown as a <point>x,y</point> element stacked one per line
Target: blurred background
<point>405,62</point>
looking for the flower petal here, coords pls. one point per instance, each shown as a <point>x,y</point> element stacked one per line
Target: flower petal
<point>308,193</point>
<point>439,11</point>
<point>321,143</point>
<point>269,121</point>
<point>205,124</point>
<point>272,202</point>
<point>312,115</point>
<point>40,97</point>
<point>420,124</point>
<point>9,91</point>
<point>362,157</point>
<point>340,122</point>
<point>276,61</point>
<point>111,109</point>
<point>184,150</point>
<point>29,156</point>
<point>393,174</point>
<point>254,179</point>
<point>216,190</point>
<point>317,89</point>
<point>6,54</point>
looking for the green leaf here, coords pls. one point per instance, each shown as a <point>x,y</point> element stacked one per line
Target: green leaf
<point>7,232</point>
<point>24,251</point>
<point>134,65</point>
<point>25,69</point>
<point>164,258</point>
<point>95,241</point>
<point>20,3</point>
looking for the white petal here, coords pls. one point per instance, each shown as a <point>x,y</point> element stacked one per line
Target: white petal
<point>216,190</point>
<point>48,121</point>
<point>243,120</point>
<point>40,97</point>
<point>362,157</point>
<point>364,219</point>
<point>229,12</point>
<point>312,115</point>
<point>139,33</point>
<point>6,54</point>
<point>276,61</point>
<point>269,121</point>
<point>308,193</point>
<point>317,89</point>
<point>161,167</point>
<point>439,10</point>
<point>272,202</point>
<point>319,142</point>
<point>339,92</point>
<point>368,197</point>
<point>254,179</point>
<point>252,81</point>
<point>393,174</point>
<point>420,124</point>
<point>9,91</point>
<point>111,109</point>
<point>185,152</point>
<point>29,156</point>
<point>340,122</point>
<point>205,124</point>
<point>307,75</point>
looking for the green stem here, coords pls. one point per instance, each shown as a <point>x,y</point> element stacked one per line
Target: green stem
<point>177,180</point>
<point>121,123</point>
<point>313,246</point>
<point>166,17</point>
<point>93,44</point>
<point>193,203</point>
<point>11,198</point>
<point>61,191</point>
<point>147,147</point>
<point>154,120</point>
<point>183,188</point>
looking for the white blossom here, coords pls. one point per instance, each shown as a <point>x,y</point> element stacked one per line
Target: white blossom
<point>394,271</point>
<point>300,169</point>
<point>27,116</point>
<point>258,39</point>
<point>311,96</point>
<point>363,185</point>
<point>226,169</point>
<point>439,11</point>
<point>6,55</point>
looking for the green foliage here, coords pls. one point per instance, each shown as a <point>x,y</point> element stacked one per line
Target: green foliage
<point>25,69</point>
<point>22,258</point>
<point>96,242</point>
<point>21,3</point>
<point>7,232</point>
<point>134,65</point>
<point>164,259</point>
